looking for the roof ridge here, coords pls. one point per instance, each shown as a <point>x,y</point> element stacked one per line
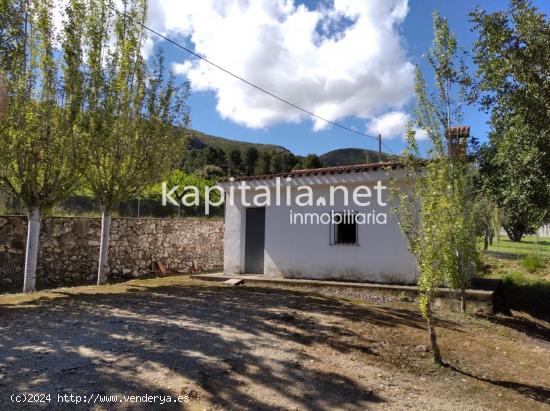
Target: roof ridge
<point>321,171</point>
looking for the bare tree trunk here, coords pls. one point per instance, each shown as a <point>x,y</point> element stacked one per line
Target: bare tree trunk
<point>103,266</point>
<point>433,337</point>
<point>463,298</point>
<point>31,253</point>
<point>485,241</point>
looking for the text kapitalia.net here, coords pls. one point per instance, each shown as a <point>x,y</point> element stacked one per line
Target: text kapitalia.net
<point>263,195</point>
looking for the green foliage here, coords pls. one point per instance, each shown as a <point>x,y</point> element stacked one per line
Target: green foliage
<point>129,130</point>
<point>436,215</point>
<point>184,182</point>
<point>235,158</point>
<point>351,156</point>
<point>203,150</point>
<point>513,60</point>
<point>311,161</point>
<point>39,150</point>
<point>486,217</point>
<point>251,156</point>
<point>532,262</point>
<point>210,172</point>
<point>264,163</point>
<point>435,210</point>
<point>201,140</point>
<point>235,165</point>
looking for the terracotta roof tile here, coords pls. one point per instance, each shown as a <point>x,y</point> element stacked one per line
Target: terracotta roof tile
<point>323,171</point>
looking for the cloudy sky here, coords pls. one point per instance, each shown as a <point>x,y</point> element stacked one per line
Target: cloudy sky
<point>350,61</point>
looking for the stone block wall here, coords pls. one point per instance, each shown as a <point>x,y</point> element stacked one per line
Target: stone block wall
<point>69,248</point>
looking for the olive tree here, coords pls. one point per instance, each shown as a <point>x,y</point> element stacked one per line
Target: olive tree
<point>41,67</point>
<point>132,110</point>
<point>512,55</point>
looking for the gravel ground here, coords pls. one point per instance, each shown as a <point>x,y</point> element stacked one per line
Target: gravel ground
<point>257,348</point>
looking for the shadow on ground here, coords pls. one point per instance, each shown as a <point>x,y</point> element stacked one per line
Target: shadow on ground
<point>537,393</point>
<point>208,342</point>
<point>207,336</point>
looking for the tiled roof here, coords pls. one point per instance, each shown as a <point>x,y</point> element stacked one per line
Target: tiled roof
<point>359,168</point>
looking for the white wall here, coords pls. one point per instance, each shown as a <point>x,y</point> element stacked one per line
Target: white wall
<point>304,251</point>
<point>543,231</point>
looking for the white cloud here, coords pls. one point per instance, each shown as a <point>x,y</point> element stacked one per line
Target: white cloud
<point>389,125</point>
<point>393,124</point>
<point>342,59</point>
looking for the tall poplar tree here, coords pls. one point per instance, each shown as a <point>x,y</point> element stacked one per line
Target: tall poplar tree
<point>132,110</point>
<point>41,66</point>
<point>435,211</point>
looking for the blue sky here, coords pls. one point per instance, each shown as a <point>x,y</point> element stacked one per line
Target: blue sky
<point>281,126</point>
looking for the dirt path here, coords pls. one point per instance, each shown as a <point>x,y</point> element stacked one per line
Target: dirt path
<point>256,348</point>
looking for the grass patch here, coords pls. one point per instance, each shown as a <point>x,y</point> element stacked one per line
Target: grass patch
<point>525,272</point>
<point>527,293</point>
<point>532,262</point>
<point>519,279</point>
<point>528,245</point>
<point>528,260</point>
<point>8,300</point>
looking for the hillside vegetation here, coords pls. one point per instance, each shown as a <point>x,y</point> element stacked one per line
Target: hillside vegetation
<point>351,156</point>
<point>198,140</point>
<point>213,157</point>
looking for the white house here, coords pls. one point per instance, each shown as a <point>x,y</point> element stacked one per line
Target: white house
<point>357,241</point>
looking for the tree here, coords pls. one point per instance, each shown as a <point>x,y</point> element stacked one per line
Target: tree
<point>435,204</point>
<point>38,147</point>
<point>289,161</point>
<point>276,163</point>
<point>129,129</point>
<point>235,162</point>
<point>512,189</point>
<point>192,199</point>
<point>211,172</point>
<point>513,68</point>
<point>251,156</point>
<point>216,156</point>
<point>311,161</point>
<point>264,163</point>
<point>484,214</point>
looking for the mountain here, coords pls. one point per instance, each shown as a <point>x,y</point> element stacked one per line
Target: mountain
<point>198,140</point>
<point>212,157</point>
<point>351,156</point>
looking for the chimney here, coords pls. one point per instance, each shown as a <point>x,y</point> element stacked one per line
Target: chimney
<point>457,142</point>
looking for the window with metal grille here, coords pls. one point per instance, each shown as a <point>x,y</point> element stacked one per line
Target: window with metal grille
<point>344,229</point>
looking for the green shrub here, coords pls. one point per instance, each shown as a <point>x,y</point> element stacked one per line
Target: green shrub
<point>532,262</point>
<point>515,277</point>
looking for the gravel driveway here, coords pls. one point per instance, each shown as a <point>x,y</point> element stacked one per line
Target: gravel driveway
<point>214,347</point>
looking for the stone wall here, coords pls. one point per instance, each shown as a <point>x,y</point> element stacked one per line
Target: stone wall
<point>69,248</point>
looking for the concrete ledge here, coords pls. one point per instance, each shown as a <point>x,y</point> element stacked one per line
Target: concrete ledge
<point>479,299</point>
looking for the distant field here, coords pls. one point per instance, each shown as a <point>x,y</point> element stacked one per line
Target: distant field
<point>527,246</point>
